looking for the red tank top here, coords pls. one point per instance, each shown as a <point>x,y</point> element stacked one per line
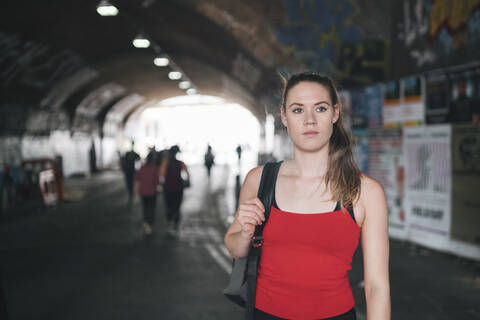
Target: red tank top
<point>305,259</point>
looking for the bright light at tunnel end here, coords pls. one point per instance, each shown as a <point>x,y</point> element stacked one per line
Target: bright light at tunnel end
<point>193,122</point>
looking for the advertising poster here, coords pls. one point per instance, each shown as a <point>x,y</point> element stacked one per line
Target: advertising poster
<point>462,91</point>
<point>360,148</point>
<point>413,102</point>
<point>430,35</point>
<point>386,166</point>
<point>436,97</point>
<point>374,101</point>
<point>428,184</point>
<point>392,107</point>
<point>359,109</point>
<point>466,183</point>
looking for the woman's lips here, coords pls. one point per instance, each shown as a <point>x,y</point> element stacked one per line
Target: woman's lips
<point>310,133</point>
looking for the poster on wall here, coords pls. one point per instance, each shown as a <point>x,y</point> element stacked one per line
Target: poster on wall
<point>463,103</point>
<point>374,102</point>
<point>360,148</point>
<point>392,107</point>
<point>359,109</point>
<point>436,97</point>
<point>413,102</point>
<point>385,164</point>
<point>466,183</point>
<point>429,35</point>
<point>428,184</point>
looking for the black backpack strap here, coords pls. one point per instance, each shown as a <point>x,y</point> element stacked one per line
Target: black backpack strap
<point>266,191</point>
<point>349,209</point>
<point>265,194</point>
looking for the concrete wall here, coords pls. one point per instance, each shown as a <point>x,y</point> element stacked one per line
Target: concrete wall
<point>74,149</point>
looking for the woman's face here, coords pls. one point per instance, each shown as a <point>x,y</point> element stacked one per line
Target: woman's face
<point>309,116</point>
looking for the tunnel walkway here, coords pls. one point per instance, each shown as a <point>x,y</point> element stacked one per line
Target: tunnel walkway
<point>89,259</point>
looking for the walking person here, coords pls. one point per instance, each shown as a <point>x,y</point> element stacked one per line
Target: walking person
<point>322,205</point>
<point>128,166</point>
<point>238,150</point>
<point>173,185</point>
<point>147,181</point>
<point>209,160</point>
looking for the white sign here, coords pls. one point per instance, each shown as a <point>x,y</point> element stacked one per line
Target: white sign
<point>428,184</point>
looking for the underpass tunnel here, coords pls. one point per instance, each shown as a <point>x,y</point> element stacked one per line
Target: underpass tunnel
<point>86,82</point>
<point>80,81</point>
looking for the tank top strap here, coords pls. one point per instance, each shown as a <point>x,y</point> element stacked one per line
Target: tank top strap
<point>338,206</point>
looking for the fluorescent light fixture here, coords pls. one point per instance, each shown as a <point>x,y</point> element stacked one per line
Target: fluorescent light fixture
<point>174,75</point>
<point>106,9</point>
<point>184,84</point>
<point>161,61</point>
<point>191,91</point>
<point>141,41</point>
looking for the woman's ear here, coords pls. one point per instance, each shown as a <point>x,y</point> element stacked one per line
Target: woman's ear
<point>283,117</point>
<point>336,113</point>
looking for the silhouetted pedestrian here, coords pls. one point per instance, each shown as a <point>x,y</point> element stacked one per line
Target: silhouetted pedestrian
<point>93,158</point>
<point>209,160</point>
<point>173,185</point>
<point>239,152</point>
<point>128,166</point>
<point>147,181</point>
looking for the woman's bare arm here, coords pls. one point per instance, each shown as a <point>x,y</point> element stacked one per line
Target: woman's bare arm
<point>375,247</point>
<point>249,214</point>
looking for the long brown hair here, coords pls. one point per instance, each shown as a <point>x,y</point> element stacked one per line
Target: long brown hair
<point>343,175</point>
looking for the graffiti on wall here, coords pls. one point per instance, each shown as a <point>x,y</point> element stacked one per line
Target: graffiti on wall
<point>435,33</point>
<point>33,71</point>
<point>322,36</point>
<point>34,65</point>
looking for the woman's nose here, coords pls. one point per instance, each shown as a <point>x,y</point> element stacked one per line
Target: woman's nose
<point>309,119</point>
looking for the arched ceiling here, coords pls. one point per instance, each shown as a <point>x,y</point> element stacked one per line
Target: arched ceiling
<point>64,61</point>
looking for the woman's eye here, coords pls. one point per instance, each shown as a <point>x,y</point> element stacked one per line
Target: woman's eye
<point>297,110</point>
<point>321,109</point>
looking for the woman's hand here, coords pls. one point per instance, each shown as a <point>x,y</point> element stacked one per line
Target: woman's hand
<point>250,214</point>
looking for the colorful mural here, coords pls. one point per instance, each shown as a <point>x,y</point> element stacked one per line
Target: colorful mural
<point>321,34</point>
<point>434,34</point>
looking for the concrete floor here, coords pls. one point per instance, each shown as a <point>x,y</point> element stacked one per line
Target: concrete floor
<point>88,259</point>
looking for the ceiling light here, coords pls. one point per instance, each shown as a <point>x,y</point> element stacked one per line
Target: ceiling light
<point>174,75</point>
<point>191,91</point>
<point>141,41</point>
<point>106,9</point>
<point>184,84</point>
<point>161,61</point>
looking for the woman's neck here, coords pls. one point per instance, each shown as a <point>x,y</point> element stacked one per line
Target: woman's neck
<point>308,165</point>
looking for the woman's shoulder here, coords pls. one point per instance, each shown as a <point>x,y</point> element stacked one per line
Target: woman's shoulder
<point>252,182</point>
<point>254,175</point>
<point>370,189</point>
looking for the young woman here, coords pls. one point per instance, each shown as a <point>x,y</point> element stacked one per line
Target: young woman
<point>322,205</point>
